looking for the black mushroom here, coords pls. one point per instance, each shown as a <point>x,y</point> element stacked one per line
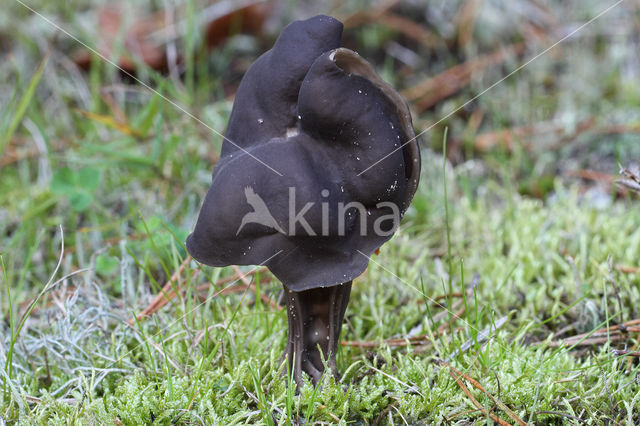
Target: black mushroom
<point>318,165</point>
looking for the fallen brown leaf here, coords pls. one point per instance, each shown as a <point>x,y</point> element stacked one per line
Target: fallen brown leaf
<point>248,19</point>
<point>145,39</point>
<point>137,44</point>
<point>366,16</point>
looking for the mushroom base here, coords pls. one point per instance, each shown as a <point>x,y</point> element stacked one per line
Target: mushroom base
<point>315,318</point>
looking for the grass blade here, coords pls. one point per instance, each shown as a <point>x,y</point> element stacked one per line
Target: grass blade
<point>21,109</point>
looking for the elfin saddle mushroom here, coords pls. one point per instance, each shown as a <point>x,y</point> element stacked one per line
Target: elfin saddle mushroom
<point>318,165</point>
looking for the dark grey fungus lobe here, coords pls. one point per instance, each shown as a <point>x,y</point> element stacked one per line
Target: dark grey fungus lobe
<point>288,192</point>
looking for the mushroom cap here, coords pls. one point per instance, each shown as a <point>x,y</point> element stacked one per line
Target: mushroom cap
<point>319,115</point>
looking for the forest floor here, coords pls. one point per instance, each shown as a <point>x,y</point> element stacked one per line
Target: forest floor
<point>509,295</point>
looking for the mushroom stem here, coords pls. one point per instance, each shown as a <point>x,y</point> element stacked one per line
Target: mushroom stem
<point>315,318</point>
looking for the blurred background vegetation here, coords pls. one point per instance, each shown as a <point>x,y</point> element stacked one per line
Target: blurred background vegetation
<point>92,158</point>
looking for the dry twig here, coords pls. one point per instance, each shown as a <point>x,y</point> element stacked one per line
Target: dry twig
<point>422,339</point>
<point>622,352</point>
<point>611,334</point>
<point>506,137</point>
<point>628,269</point>
<point>410,29</point>
<point>253,288</point>
<point>166,294</point>
<point>458,376</point>
<point>434,89</point>
<point>631,178</point>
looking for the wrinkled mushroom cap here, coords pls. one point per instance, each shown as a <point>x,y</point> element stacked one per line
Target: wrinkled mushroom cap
<point>318,116</point>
